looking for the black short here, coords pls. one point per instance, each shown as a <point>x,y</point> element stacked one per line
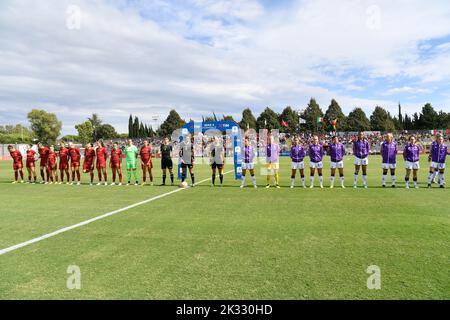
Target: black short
<point>216,165</point>
<point>185,165</point>
<point>166,164</point>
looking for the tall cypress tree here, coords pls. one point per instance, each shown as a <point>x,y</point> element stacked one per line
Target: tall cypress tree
<point>136,127</point>
<point>130,127</point>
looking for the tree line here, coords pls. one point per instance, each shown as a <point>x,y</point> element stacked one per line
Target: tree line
<point>45,127</point>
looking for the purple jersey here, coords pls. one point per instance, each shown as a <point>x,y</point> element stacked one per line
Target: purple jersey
<point>297,153</point>
<point>411,152</point>
<point>361,148</point>
<point>337,151</point>
<point>438,152</point>
<point>272,153</point>
<point>249,154</point>
<point>316,152</point>
<point>389,152</point>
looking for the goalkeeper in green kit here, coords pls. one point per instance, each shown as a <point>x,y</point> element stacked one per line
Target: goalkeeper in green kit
<point>131,153</point>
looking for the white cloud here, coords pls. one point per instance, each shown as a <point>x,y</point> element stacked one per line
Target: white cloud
<point>220,56</point>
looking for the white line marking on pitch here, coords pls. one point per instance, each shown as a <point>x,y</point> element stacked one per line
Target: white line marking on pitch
<point>103,216</point>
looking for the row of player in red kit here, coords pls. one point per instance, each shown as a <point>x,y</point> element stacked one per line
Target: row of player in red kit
<point>72,155</point>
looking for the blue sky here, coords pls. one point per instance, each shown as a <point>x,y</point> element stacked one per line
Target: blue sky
<point>204,56</point>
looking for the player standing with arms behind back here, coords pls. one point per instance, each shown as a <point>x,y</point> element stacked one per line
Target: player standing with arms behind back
<point>75,157</point>
<point>17,163</point>
<point>64,163</point>
<point>131,154</point>
<point>411,154</point>
<point>52,165</point>
<point>31,163</point>
<point>102,156</point>
<point>166,161</point>
<point>361,151</point>
<point>187,158</point>
<point>389,156</point>
<point>273,161</point>
<point>216,160</point>
<point>337,152</point>
<point>146,162</point>
<point>297,154</point>
<point>43,154</point>
<point>247,163</point>
<point>316,156</point>
<point>438,155</point>
<point>88,164</point>
<point>116,163</point>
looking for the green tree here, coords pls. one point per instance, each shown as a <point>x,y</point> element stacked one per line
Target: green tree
<point>172,123</point>
<point>428,118</point>
<point>380,120</point>
<point>96,123</point>
<point>130,127</point>
<point>334,112</point>
<point>291,117</point>
<point>248,119</point>
<point>106,131</point>
<point>268,119</point>
<point>85,132</point>
<point>357,120</point>
<point>136,127</point>
<point>311,114</point>
<point>45,126</point>
<point>227,118</point>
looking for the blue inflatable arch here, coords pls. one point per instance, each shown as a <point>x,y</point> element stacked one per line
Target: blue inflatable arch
<point>230,127</point>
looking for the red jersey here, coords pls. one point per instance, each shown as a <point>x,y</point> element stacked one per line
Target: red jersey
<point>31,156</point>
<point>89,155</point>
<point>146,154</point>
<point>116,157</point>
<point>64,155</point>
<point>16,156</point>
<point>75,155</point>
<point>43,153</point>
<point>52,159</point>
<point>101,155</point>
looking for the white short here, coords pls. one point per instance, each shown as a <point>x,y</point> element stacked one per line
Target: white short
<point>248,166</point>
<point>439,166</point>
<point>316,165</point>
<point>387,166</point>
<point>337,165</point>
<point>361,162</point>
<point>298,165</point>
<point>412,165</point>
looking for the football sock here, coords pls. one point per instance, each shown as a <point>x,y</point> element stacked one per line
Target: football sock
<point>332,180</point>
<point>303,180</point>
<point>393,180</point>
<point>321,179</point>
<point>293,181</point>
<point>213,179</point>
<point>342,180</point>
<point>164,178</point>
<point>383,180</point>
<point>355,179</point>
<point>441,179</point>
<point>430,177</point>
<point>254,180</point>
<point>243,180</point>
<point>135,174</point>
<point>365,179</point>
<point>415,182</point>
<point>221,178</point>
<point>311,180</point>
<point>171,177</point>
<point>129,175</point>
<point>193,178</point>
<point>16,175</point>
<point>21,175</point>
<point>277,179</point>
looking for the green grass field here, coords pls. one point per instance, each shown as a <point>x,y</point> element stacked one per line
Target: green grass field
<point>228,243</point>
